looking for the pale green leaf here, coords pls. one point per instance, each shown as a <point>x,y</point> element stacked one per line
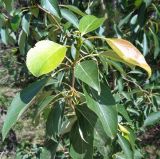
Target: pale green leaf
<point>5,36</point>
<point>89,23</point>
<point>45,57</point>
<point>26,23</point>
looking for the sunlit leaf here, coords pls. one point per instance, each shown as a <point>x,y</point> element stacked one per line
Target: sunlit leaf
<point>128,53</point>
<point>45,57</point>
<point>89,23</point>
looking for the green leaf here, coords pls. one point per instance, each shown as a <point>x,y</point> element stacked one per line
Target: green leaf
<point>43,104</point>
<point>35,11</point>
<point>125,147</point>
<point>54,121</point>
<point>122,110</point>
<point>156,44</point>
<point>45,57</point>
<point>145,45</point>
<point>2,20</point>
<point>125,20</point>
<point>69,16</point>
<point>8,5</point>
<point>87,71</point>
<point>74,9</point>
<point>15,22</point>
<point>152,118</point>
<point>48,6</point>
<point>89,23</point>
<point>106,114</point>
<point>105,97</point>
<point>20,103</point>
<point>22,42</point>
<point>26,23</point>
<point>119,155</point>
<point>81,137</point>
<point>5,36</point>
<point>54,3</point>
<point>100,137</point>
<point>128,53</point>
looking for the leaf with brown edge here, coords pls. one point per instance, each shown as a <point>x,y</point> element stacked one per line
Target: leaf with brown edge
<point>128,53</point>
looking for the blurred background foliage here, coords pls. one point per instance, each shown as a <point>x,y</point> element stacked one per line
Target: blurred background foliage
<point>24,22</point>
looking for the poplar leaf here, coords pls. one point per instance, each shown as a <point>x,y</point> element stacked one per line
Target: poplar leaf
<point>89,23</point>
<point>128,53</point>
<point>45,57</point>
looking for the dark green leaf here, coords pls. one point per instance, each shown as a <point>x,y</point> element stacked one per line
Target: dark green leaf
<point>54,121</point>
<point>22,42</point>
<point>106,114</point>
<point>81,137</point>
<point>15,22</point>
<point>20,103</point>
<point>87,71</point>
<point>105,97</point>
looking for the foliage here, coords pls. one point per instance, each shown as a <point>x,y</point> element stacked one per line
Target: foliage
<point>92,103</point>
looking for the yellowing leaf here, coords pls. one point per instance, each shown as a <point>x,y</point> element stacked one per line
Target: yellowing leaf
<point>128,53</point>
<point>45,57</point>
<point>123,129</point>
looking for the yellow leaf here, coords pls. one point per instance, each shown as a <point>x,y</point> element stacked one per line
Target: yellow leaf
<point>128,53</point>
<point>123,129</point>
